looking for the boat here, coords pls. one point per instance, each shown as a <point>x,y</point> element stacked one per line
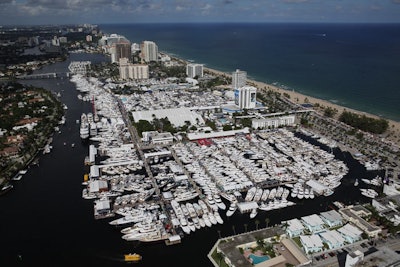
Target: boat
<point>219,202</point>
<point>253,213</point>
<point>231,210</point>
<point>250,193</point>
<point>218,217</point>
<point>132,257</point>
<point>356,182</point>
<point>371,193</point>
<point>84,127</point>
<point>6,188</point>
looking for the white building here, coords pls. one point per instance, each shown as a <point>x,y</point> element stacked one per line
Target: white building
<point>273,122</point>
<point>311,243</point>
<point>332,218</point>
<point>155,137</point>
<point>132,71</point>
<point>353,258</point>
<point>149,51</point>
<point>239,78</point>
<point>313,222</point>
<point>350,233</point>
<point>193,70</point>
<point>294,228</point>
<point>333,239</point>
<point>245,97</point>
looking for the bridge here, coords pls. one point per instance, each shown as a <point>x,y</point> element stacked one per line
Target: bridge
<point>50,75</point>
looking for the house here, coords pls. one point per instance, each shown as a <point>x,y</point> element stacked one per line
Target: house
<point>313,222</point>
<point>294,228</point>
<point>311,244</point>
<point>333,239</point>
<point>332,218</point>
<point>350,233</point>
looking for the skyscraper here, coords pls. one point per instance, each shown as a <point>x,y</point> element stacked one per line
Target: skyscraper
<point>149,51</point>
<point>121,49</point>
<point>193,70</point>
<point>239,78</point>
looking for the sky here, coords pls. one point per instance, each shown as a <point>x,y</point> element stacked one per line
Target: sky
<point>40,12</point>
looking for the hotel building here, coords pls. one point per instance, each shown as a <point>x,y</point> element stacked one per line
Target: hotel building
<point>193,70</point>
<point>239,78</point>
<point>149,51</point>
<point>245,97</point>
<point>132,71</point>
<point>121,49</point>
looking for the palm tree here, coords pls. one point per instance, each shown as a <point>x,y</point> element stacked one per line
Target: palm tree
<point>220,257</point>
<point>245,227</point>
<point>219,233</point>
<point>233,228</point>
<point>257,222</point>
<point>266,222</point>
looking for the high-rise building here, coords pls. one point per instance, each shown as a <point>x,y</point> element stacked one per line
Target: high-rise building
<point>149,51</point>
<point>239,78</point>
<point>193,70</point>
<point>245,97</point>
<point>121,49</point>
<point>132,71</point>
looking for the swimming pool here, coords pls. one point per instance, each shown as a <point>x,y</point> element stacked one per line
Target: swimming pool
<point>257,259</point>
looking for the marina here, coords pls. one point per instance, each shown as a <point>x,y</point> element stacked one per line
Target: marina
<point>103,243</point>
<point>179,188</point>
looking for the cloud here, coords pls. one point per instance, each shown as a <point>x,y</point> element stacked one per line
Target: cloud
<point>396,1</point>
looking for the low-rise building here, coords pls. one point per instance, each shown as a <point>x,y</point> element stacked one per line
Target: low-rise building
<point>313,222</point>
<point>273,122</point>
<point>294,228</point>
<point>350,233</point>
<point>332,218</point>
<point>333,239</point>
<point>311,243</point>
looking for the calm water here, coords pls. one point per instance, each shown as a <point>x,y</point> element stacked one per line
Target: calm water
<point>354,65</point>
<point>45,220</point>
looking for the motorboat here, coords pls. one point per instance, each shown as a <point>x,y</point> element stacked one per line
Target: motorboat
<point>132,257</point>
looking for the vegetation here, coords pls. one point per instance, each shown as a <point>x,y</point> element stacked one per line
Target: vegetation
<point>364,123</point>
<point>330,112</point>
<point>22,106</point>
<point>383,221</point>
<point>219,258</point>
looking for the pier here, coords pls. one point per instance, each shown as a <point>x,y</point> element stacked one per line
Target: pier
<point>50,75</point>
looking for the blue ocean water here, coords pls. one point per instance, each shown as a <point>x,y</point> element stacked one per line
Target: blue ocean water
<point>354,65</point>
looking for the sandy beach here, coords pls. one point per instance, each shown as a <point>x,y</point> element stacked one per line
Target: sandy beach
<point>392,135</point>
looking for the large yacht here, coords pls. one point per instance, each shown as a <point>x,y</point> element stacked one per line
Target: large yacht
<point>84,129</point>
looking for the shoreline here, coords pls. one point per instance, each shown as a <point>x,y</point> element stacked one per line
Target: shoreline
<point>392,135</point>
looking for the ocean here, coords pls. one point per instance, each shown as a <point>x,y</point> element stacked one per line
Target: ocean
<point>46,222</point>
<point>353,65</point>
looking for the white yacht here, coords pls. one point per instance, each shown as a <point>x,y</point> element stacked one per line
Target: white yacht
<point>232,208</point>
<point>219,202</point>
<point>250,193</point>
<point>84,128</point>
<point>253,213</point>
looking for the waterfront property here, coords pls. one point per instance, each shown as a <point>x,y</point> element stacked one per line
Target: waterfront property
<point>294,227</point>
<point>311,243</point>
<point>332,238</point>
<point>332,218</point>
<point>353,214</point>
<point>313,223</point>
<point>244,250</point>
